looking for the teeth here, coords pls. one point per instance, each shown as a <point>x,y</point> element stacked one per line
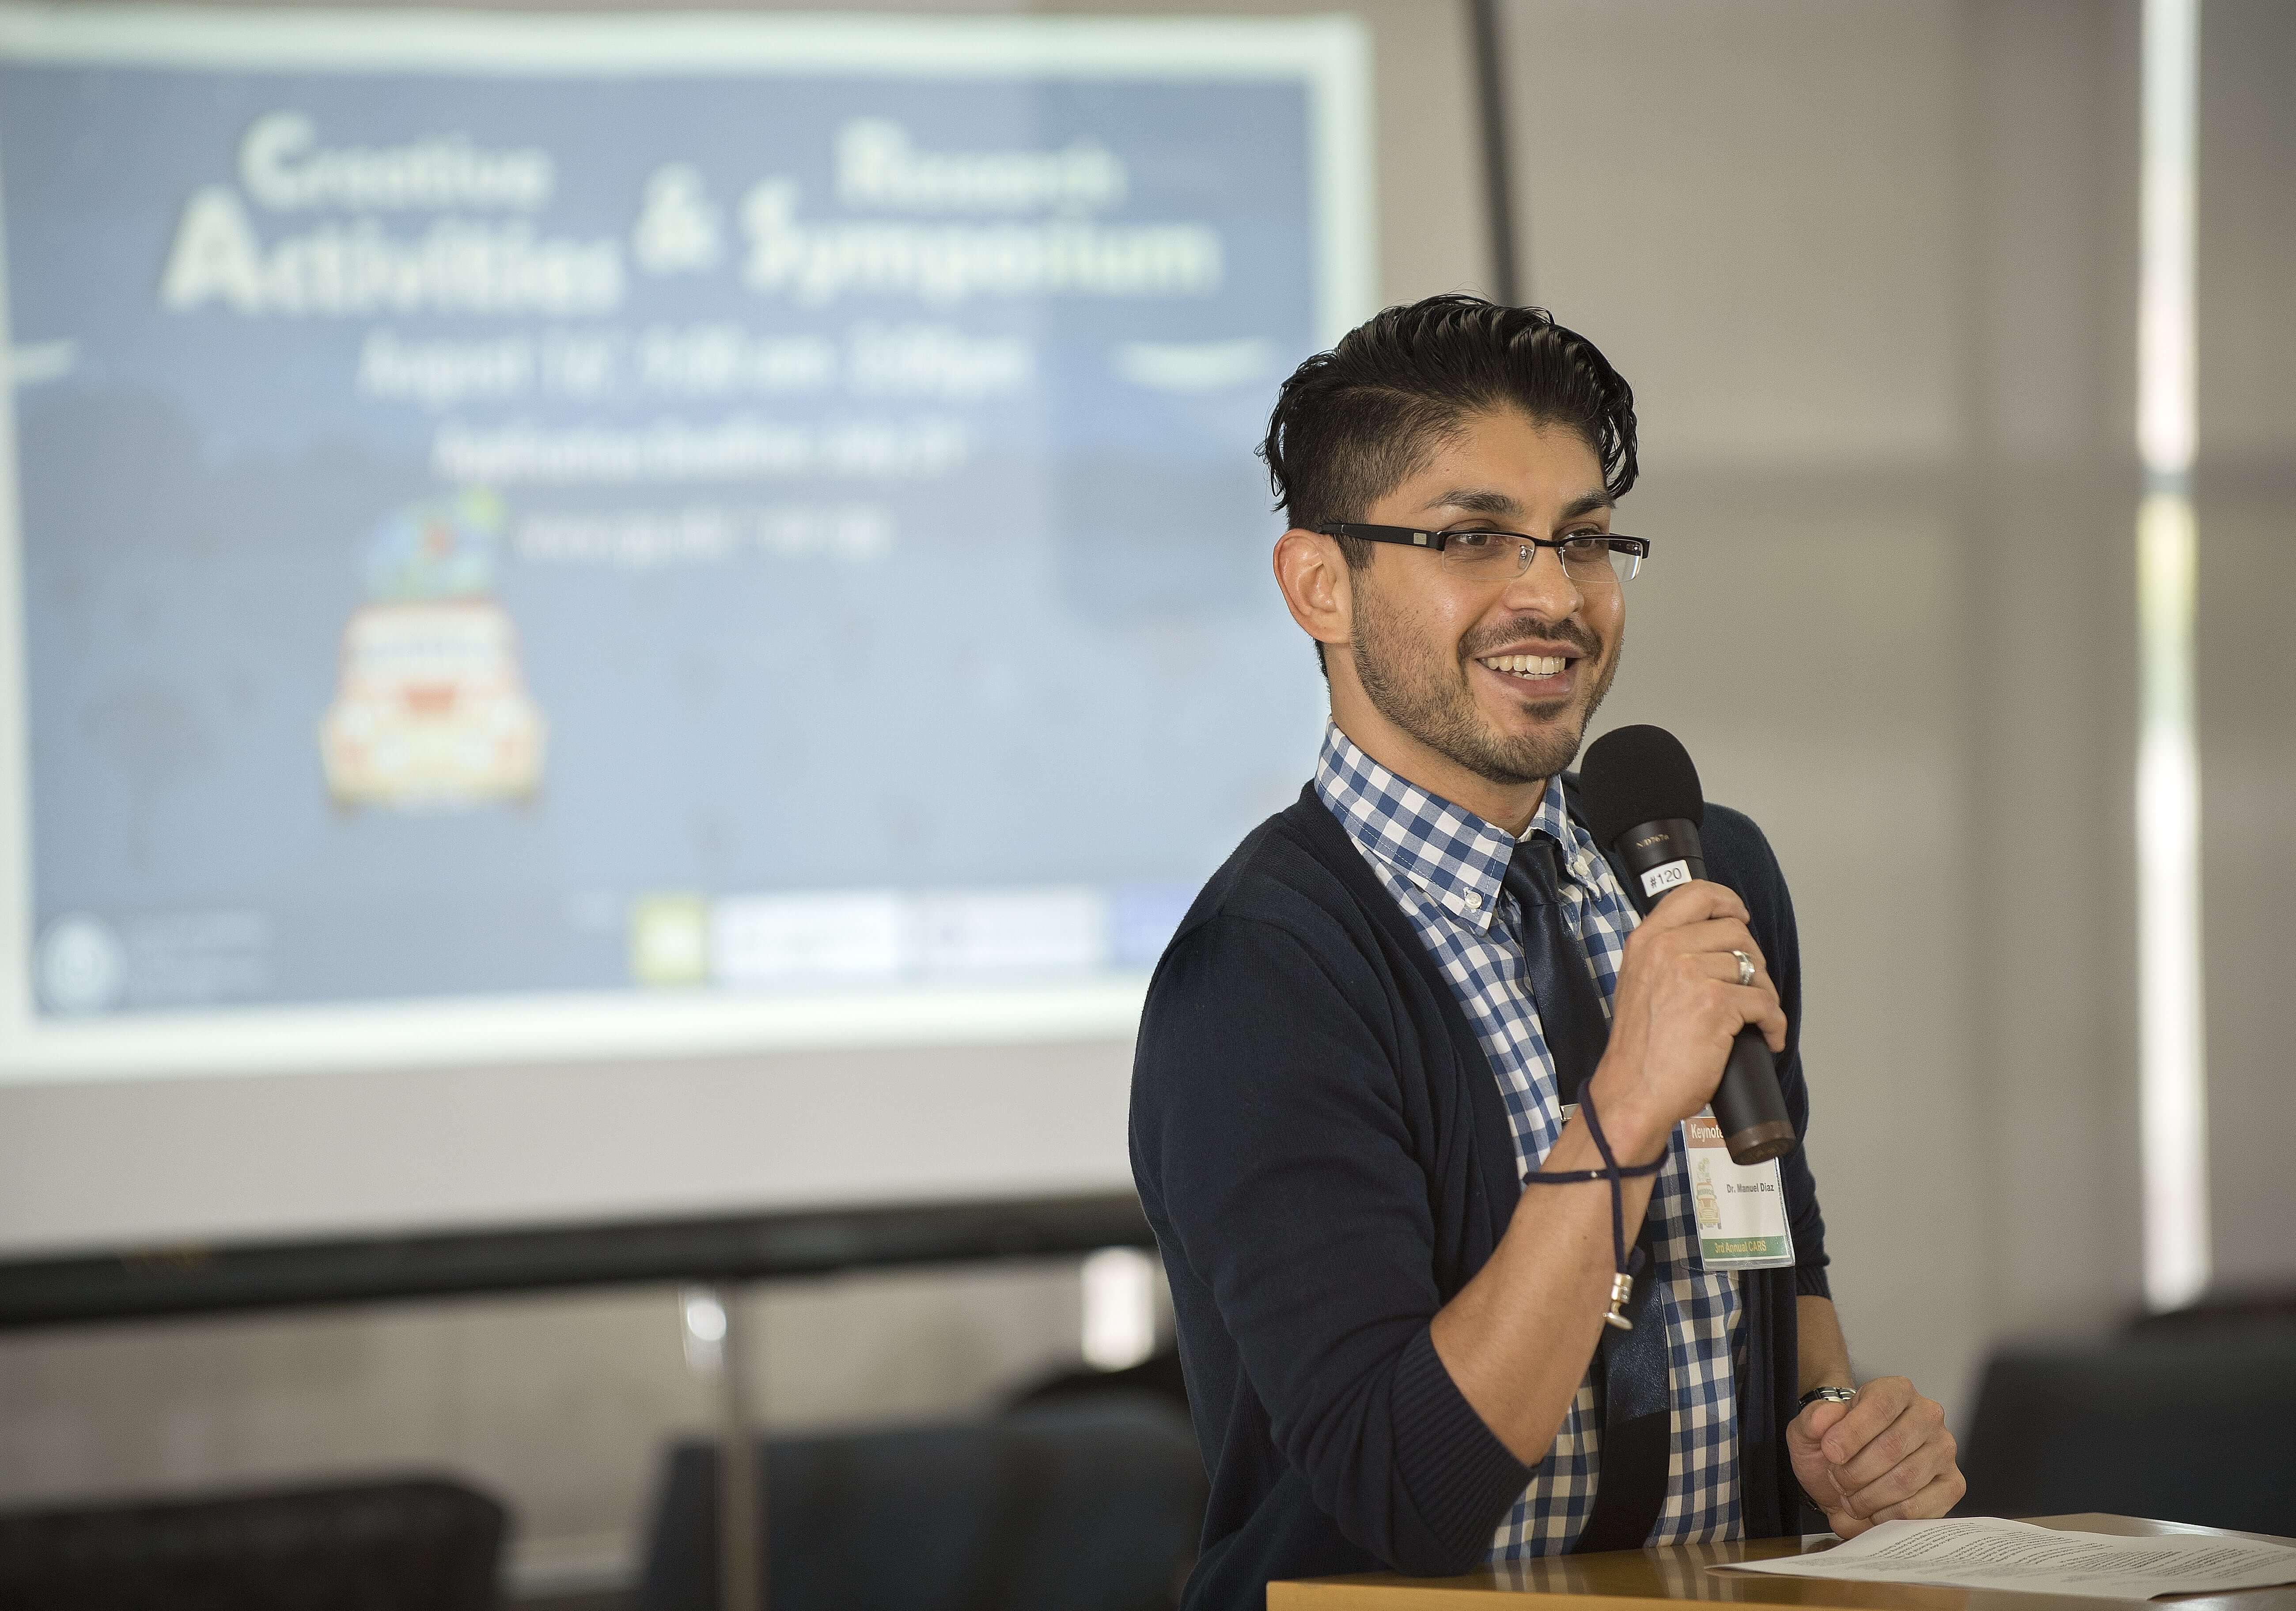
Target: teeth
<point>1527,665</point>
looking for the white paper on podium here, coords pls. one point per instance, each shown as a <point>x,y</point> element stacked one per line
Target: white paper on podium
<point>1987,1553</point>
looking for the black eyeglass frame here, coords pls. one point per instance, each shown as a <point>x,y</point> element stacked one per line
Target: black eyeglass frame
<point>1636,548</point>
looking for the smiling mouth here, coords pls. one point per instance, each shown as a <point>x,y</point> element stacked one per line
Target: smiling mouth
<point>1527,668</point>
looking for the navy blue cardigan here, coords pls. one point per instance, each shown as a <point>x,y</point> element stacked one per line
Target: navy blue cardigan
<point>1322,1149</point>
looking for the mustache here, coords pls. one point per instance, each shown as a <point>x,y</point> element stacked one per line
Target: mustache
<point>1521,627</point>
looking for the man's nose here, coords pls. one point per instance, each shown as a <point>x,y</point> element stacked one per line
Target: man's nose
<point>1546,588</point>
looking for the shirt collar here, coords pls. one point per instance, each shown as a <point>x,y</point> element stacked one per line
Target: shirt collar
<point>1459,859</point>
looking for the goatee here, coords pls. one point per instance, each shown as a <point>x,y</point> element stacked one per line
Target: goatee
<point>1430,699</point>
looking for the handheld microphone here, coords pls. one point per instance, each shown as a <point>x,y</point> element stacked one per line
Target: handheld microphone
<point>1642,800</point>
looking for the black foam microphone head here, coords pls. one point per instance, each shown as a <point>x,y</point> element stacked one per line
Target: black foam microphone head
<point>1632,776</point>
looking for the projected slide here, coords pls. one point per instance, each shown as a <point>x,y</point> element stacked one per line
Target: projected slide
<point>550,533</point>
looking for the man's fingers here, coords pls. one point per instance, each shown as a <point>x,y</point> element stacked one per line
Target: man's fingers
<point>1695,902</point>
<point>1715,936</point>
<point>1704,950</point>
<point>1807,1430</point>
<point>1755,1002</point>
<point>1887,1458</point>
<point>1942,1493</point>
<point>1771,1023</point>
<point>1713,976</point>
<point>1923,1465</point>
<point>1921,1423</point>
<point>1722,966</point>
<point>1880,1402</point>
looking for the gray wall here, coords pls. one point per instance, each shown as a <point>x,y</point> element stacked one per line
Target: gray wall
<point>2246,486</point>
<point>1869,265</point>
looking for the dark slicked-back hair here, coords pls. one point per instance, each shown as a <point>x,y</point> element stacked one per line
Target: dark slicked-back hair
<point>1352,422</point>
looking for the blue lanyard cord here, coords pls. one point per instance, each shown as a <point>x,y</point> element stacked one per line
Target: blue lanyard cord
<point>1611,1171</point>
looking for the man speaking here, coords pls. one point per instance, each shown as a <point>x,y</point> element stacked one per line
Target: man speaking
<point>1421,985</point>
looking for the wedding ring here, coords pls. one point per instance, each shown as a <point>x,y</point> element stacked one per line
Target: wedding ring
<point>1745,968</point>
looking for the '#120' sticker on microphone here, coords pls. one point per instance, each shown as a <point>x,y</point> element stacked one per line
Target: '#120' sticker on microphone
<point>1662,878</point>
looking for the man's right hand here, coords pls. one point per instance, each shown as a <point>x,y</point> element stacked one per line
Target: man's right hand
<point>1516,1338</point>
<point>1677,1008</point>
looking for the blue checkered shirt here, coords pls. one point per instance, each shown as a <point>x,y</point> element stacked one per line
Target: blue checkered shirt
<point>1443,866</point>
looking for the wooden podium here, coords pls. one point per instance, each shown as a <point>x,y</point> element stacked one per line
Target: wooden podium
<point>1653,1580</point>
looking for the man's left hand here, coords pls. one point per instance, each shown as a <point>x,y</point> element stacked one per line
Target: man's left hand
<point>1885,1458</point>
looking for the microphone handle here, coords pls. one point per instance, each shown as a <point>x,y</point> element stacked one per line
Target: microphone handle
<point>1749,1107</point>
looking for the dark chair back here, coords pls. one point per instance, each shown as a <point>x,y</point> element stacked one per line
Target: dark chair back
<point>416,1545</point>
<point>2181,1428</point>
<point>1083,1507</point>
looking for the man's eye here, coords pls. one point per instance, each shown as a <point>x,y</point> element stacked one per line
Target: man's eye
<point>1472,540</point>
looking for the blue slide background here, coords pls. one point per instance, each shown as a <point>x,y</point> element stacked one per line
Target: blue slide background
<point>1069,667</point>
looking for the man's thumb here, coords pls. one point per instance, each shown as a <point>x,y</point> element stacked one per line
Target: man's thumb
<point>1819,1419</point>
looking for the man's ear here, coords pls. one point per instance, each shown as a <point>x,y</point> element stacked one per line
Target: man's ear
<point>1318,588</point>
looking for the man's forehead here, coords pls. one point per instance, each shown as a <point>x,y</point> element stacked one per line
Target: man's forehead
<point>1500,502</point>
<point>1501,464</point>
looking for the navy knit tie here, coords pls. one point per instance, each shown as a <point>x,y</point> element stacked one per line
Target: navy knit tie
<point>1630,1368</point>
<point>1554,968</point>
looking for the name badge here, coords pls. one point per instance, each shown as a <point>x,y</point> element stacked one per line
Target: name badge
<point>1740,1208</point>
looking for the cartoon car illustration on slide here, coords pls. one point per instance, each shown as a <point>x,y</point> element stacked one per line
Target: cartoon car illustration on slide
<point>431,709</point>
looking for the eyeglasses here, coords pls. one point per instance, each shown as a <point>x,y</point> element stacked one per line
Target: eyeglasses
<point>1589,558</point>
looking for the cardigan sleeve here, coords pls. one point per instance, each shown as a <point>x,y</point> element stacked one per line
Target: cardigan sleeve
<point>1270,1127</point>
<point>1741,855</point>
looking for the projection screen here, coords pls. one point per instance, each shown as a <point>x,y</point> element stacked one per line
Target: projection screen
<point>546,549</point>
